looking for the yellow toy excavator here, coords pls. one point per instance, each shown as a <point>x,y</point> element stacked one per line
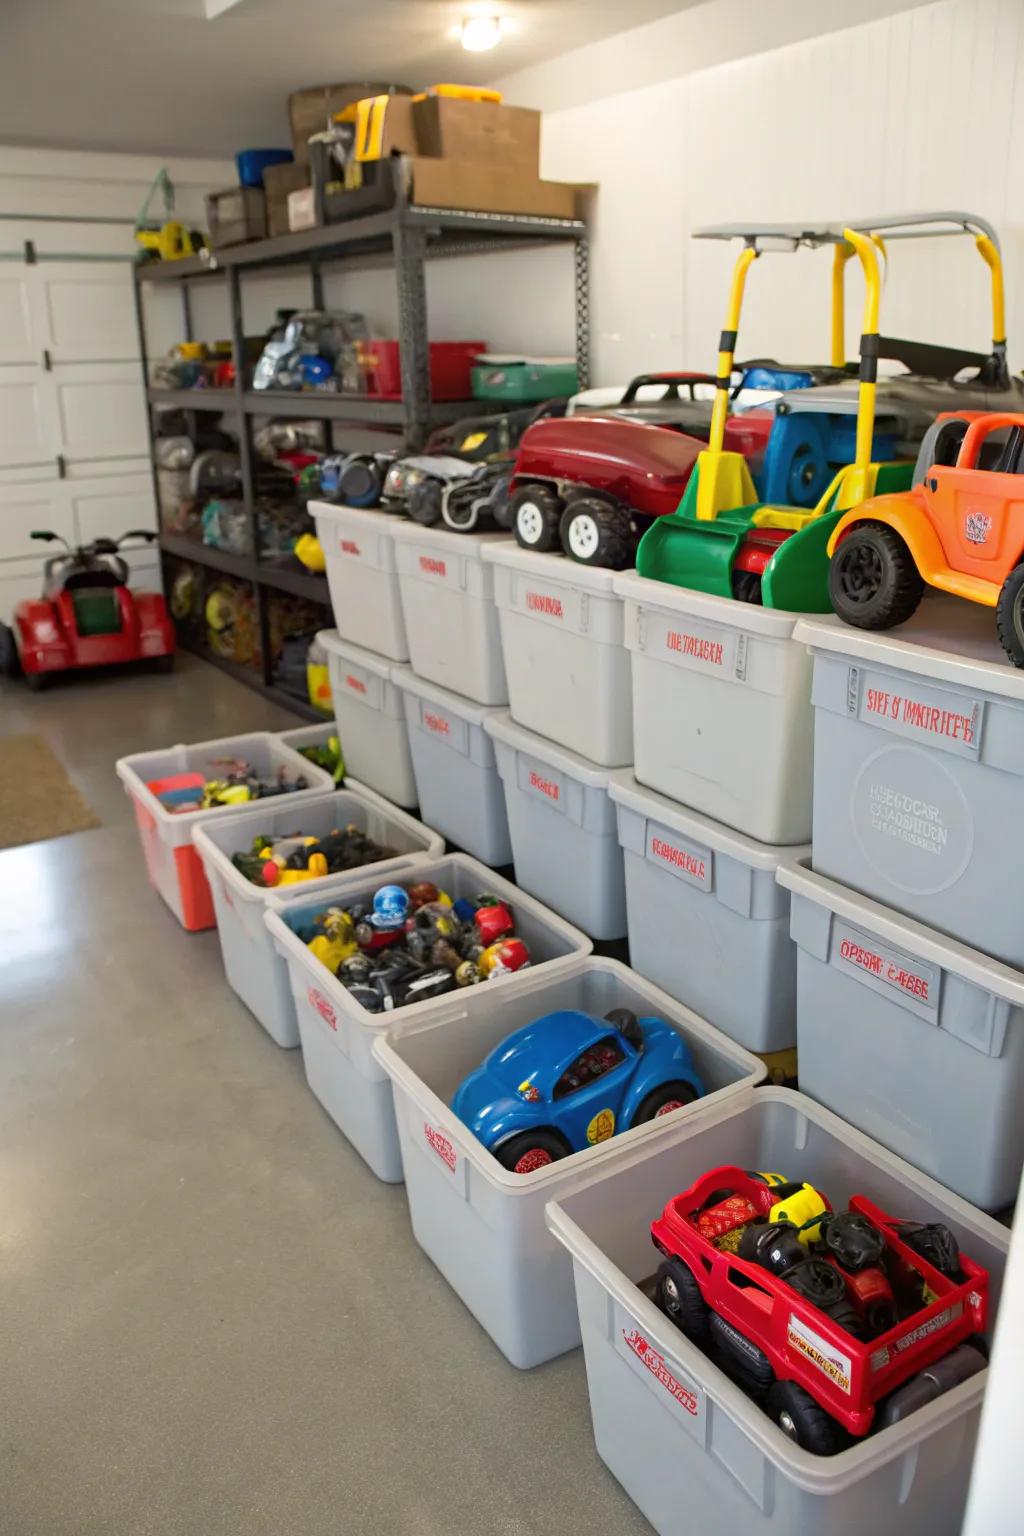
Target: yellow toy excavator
<point>169,240</point>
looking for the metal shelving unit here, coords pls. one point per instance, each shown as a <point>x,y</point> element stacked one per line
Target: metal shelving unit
<point>401,235</point>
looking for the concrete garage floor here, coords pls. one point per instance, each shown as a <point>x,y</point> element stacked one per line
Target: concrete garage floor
<point>213,1319</point>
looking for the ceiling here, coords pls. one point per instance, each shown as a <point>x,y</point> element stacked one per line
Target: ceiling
<point>211,76</point>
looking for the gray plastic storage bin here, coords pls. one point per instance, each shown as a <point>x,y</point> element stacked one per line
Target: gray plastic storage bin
<point>253,967</point>
<point>915,1037</point>
<point>689,1447</point>
<point>482,1225</point>
<point>337,1033</point>
<point>567,667</point>
<point>450,617</point>
<point>370,719</point>
<point>309,735</point>
<point>919,770</point>
<point>562,824</point>
<point>362,576</point>
<point>457,782</point>
<point>721,707</point>
<point>707,919</point>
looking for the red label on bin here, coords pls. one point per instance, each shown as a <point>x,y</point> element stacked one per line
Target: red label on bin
<point>433,567</point>
<point>687,863</point>
<point>537,602</point>
<point>546,786</point>
<point>349,547</point>
<point>317,1000</point>
<point>354,683</point>
<point>436,723</point>
<point>655,1363</point>
<point>897,975</point>
<point>929,718</point>
<point>441,1145</point>
<point>697,646</point>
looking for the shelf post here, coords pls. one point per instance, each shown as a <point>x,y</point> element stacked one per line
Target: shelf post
<point>245,454</point>
<point>409,245</point>
<point>581,269</point>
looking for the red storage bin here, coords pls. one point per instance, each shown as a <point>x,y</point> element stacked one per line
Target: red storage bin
<point>450,362</point>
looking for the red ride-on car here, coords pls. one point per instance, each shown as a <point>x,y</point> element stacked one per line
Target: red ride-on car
<point>87,616</point>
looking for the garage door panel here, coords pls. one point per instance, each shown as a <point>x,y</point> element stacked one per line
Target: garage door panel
<point>109,507</point>
<point>101,410</point>
<point>25,434</point>
<point>17,342</point>
<point>25,507</point>
<point>89,313</point>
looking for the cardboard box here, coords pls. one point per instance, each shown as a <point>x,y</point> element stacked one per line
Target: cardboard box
<point>486,188</point>
<point>311,110</point>
<point>302,209</point>
<point>236,215</point>
<point>455,129</point>
<point>278,182</point>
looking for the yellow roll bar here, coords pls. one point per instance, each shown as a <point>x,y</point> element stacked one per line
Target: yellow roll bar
<point>992,259</point>
<point>727,347</point>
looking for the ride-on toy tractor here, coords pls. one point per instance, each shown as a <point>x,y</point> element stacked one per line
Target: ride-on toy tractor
<point>959,529</point>
<point>87,616</point>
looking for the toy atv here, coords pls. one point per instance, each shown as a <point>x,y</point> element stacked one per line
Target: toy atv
<point>959,529</point>
<point>87,615</point>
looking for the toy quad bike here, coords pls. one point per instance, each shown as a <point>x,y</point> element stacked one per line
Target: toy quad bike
<point>87,616</point>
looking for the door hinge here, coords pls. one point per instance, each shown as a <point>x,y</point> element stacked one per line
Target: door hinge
<point>62,467</point>
<point>47,360</point>
<point>30,253</point>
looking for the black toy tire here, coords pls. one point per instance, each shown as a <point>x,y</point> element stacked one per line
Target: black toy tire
<point>539,530</point>
<point>424,503</point>
<point>593,533</point>
<point>545,1146</point>
<point>37,681</point>
<point>163,663</point>
<point>627,1023</point>
<point>679,1297</point>
<point>10,662</point>
<point>657,1101</point>
<point>746,587</point>
<point>802,1419</point>
<point>873,582</point>
<point>1010,615</point>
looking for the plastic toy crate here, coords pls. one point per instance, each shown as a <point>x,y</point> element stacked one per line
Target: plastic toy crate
<point>563,623</point>
<point>706,917</point>
<point>172,863</point>
<point>919,770</point>
<point>721,707</point>
<point>252,965</point>
<point>309,735</point>
<point>482,1225</point>
<point>450,368</point>
<point>337,1033</point>
<point>524,378</point>
<point>562,823</point>
<point>450,617</point>
<point>689,1446</point>
<point>370,719</point>
<point>359,554</point>
<point>457,781</point>
<point>915,1037</point>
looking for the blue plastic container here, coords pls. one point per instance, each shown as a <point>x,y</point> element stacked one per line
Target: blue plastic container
<point>251,163</point>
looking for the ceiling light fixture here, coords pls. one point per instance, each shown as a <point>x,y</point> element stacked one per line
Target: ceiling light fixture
<point>480,33</point>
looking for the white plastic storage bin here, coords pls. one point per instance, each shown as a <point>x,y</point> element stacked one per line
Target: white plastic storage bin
<point>912,1036</point>
<point>567,667</point>
<point>359,553</point>
<point>482,1225</point>
<point>721,707</point>
<point>337,1033</point>
<point>707,919</point>
<point>562,824</point>
<point>251,963</point>
<point>919,770</point>
<point>370,719</point>
<point>314,735</point>
<point>457,782</point>
<point>691,1449</point>
<point>450,615</point>
<point>172,863</point>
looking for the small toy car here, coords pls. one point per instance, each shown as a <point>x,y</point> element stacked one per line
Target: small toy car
<point>833,1321</point>
<point>570,1080</point>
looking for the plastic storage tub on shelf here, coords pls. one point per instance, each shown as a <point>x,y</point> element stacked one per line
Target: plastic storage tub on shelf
<point>172,863</point>
<point>337,1033</point>
<point>919,770</point>
<point>562,825</point>
<point>359,554</point>
<point>457,781</point>
<point>370,719</point>
<point>450,368</point>
<point>721,707</point>
<point>251,963</point>
<point>707,919</point>
<point>567,667</point>
<point>482,1225</point>
<point>691,1449</point>
<point>450,617</point>
<point>918,1039</point>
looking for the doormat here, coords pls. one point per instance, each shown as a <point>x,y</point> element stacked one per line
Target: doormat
<point>37,799</point>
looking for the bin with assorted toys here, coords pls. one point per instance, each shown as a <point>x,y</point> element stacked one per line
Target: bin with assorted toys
<point>437,941</point>
<point>370,719</point>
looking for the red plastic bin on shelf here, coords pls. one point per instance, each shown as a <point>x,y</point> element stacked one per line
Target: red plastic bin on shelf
<point>450,363</point>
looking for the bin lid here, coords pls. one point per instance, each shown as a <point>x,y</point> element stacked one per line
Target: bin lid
<point>334,645</point>
<point>502,727</point>
<point>948,639</point>
<point>921,941</point>
<point>625,789</point>
<point>354,518</point>
<point>772,623</point>
<point>588,578</point>
<point>406,679</point>
<point>470,546</point>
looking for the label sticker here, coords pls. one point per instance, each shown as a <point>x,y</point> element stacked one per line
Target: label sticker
<point>540,780</point>
<point>356,684</point>
<point>924,1330</point>
<point>543,602</point>
<point>829,1360</point>
<point>601,1127</point>
<point>687,861</point>
<point>701,647</point>
<point>439,1143</point>
<point>950,721</point>
<point>446,728</point>
<point>917,983</point>
<point>431,566</point>
<point>316,1000</point>
<point>663,1375</point>
<point>349,547</point>
<point>912,820</point>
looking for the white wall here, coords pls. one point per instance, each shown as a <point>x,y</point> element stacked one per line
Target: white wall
<point>920,109</point>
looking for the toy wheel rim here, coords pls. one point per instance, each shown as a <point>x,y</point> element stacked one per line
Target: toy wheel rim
<point>787,1425</point>
<point>666,1109</point>
<point>529,522</point>
<point>860,574</point>
<point>532,1159</point>
<point>583,536</point>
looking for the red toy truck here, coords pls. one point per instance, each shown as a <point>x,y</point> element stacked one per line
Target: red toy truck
<point>744,1253</point>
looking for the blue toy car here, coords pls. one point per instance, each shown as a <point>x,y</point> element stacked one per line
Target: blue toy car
<point>570,1080</point>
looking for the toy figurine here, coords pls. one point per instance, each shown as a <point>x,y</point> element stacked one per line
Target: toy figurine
<point>336,943</point>
<point>503,958</point>
<point>290,860</point>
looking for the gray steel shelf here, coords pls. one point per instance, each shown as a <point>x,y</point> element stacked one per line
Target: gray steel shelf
<point>326,406</point>
<point>195,399</point>
<point>264,573</point>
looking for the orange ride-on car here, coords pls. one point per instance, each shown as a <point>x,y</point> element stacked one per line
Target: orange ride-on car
<point>960,528</point>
